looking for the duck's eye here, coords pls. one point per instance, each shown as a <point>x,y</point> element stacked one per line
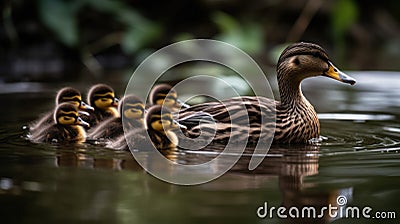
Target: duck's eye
<point>316,55</point>
<point>104,99</point>
<point>296,61</point>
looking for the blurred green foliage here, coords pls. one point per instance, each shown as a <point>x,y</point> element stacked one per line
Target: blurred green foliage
<point>60,16</point>
<point>344,14</point>
<point>247,35</point>
<point>114,34</point>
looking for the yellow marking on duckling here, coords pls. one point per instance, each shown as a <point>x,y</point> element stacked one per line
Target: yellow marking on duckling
<point>172,94</point>
<point>108,94</point>
<point>133,113</point>
<point>66,120</point>
<point>81,136</point>
<point>136,105</point>
<point>72,98</point>
<point>173,138</point>
<point>69,112</point>
<point>163,122</point>
<point>104,103</point>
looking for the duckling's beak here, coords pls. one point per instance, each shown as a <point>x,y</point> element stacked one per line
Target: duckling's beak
<point>115,102</point>
<point>81,112</point>
<point>82,122</point>
<point>85,106</point>
<point>183,104</point>
<point>335,73</point>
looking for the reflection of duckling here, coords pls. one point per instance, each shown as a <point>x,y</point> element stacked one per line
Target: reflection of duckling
<point>164,94</point>
<point>66,94</point>
<point>131,110</point>
<point>67,126</point>
<point>160,125</point>
<point>102,98</point>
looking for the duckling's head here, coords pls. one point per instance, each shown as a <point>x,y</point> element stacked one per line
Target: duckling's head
<point>73,96</point>
<point>302,60</point>
<point>131,107</point>
<point>160,119</point>
<point>102,97</point>
<point>164,94</point>
<point>68,114</point>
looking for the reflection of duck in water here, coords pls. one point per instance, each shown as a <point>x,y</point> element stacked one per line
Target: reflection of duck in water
<point>164,94</point>
<point>158,133</point>
<point>66,94</point>
<point>102,98</point>
<point>131,110</point>
<point>293,119</point>
<point>67,127</point>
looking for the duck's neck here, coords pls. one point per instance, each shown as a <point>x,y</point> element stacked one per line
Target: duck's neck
<point>295,106</point>
<point>291,94</point>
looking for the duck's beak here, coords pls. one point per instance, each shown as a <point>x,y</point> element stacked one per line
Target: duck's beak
<point>81,112</point>
<point>115,102</point>
<point>85,106</point>
<point>335,73</point>
<point>82,122</point>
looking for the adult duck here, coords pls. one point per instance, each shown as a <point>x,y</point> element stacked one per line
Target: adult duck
<point>291,120</point>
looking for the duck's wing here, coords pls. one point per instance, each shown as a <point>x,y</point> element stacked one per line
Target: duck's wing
<point>194,118</point>
<point>239,110</point>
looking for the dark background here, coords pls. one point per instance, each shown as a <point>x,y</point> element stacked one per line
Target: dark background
<point>69,40</point>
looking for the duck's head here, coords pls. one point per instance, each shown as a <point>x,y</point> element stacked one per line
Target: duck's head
<point>68,114</point>
<point>164,94</point>
<point>102,97</point>
<point>131,107</point>
<point>302,60</point>
<point>160,119</point>
<point>73,96</point>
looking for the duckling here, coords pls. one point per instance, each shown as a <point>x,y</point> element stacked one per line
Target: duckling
<point>131,112</point>
<point>102,98</point>
<point>159,132</point>
<point>66,94</point>
<point>164,94</point>
<point>293,119</point>
<point>67,127</point>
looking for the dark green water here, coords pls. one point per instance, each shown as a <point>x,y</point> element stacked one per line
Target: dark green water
<point>88,184</point>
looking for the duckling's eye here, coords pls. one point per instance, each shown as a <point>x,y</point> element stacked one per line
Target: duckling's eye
<point>171,97</point>
<point>104,99</point>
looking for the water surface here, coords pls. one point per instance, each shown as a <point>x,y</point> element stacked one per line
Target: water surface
<point>360,160</point>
